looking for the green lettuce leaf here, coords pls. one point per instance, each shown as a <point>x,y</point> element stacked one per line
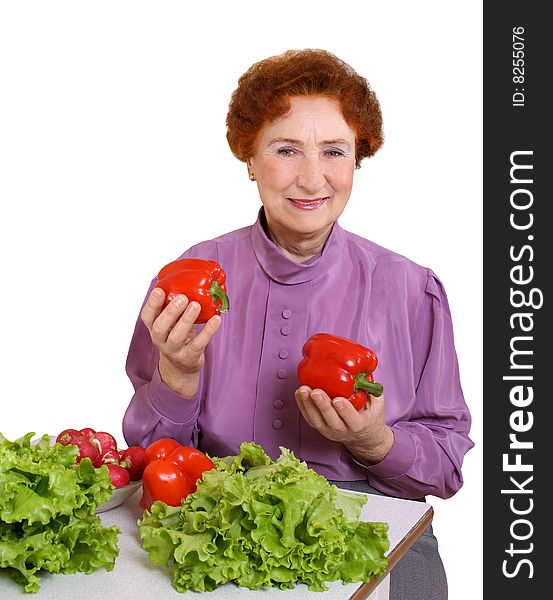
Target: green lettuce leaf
<point>47,511</point>
<point>261,523</point>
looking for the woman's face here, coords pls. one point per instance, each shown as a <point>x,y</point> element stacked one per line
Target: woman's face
<point>303,165</point>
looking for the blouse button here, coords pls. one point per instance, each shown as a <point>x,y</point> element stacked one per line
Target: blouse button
<point>286,313</point>
<point>277,424</point>
<point>282,374</point>
<point>283,353</point>
<point>278,403</point>
<point>285,330</point>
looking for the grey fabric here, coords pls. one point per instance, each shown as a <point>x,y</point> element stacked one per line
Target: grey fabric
<point>420,574</point>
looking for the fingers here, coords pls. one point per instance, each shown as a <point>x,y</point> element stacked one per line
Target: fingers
<point>170,315</point>
<point>374,408</point>
<point>202,339</point>
<point>172,328</point>
<point>184,333</point>
<point>353,419</point>
<point>332,417</point>
<point>318,410</point>
<point>152,307</point>
<point>181,330</point>
<point>171,325</point>
<point>309,411</point>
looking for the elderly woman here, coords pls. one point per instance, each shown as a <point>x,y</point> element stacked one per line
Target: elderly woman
<point>302,122</point>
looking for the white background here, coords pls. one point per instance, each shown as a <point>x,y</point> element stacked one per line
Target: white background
<point>113,160</point>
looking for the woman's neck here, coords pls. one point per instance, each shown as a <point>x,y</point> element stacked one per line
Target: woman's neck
<point>298,247</point>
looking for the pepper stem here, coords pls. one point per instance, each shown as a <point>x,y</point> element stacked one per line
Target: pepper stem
<point>361,383</point>
<point>217,292</point>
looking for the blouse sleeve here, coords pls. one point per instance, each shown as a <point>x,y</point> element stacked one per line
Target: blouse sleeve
<point>429,448</point>
<point>155,411</point>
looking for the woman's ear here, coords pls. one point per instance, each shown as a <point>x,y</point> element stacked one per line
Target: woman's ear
<point>251,174</point>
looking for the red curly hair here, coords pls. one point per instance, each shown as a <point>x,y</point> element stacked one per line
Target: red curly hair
<point>264,90</point>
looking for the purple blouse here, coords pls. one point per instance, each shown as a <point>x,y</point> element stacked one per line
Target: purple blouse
<point>354,289</point>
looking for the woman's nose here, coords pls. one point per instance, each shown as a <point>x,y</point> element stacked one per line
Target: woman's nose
<point>311,176</point>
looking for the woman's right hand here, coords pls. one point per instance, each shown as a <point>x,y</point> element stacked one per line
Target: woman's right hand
<point>181,349</point>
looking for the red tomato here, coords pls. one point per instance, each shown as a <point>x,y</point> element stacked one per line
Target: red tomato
<point>165,481</point>
<point>192,461</point>
<point>160,448</point>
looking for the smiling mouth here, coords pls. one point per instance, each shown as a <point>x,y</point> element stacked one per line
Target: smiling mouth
<point>305,204</point>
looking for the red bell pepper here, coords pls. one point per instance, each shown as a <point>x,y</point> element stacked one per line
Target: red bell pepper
<point>160,448</point>
<point>172,472</point>
<point>340,367</point>
<point>199,280</point>
<point>192,461</point>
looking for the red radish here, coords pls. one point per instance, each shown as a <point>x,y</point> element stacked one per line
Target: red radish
<point>87,450</point>
<point>111,457</point>
<point>88,432</point>
<point>105,440</point>
<point>67,436</point>
<point>134,460</point>
<point>119,475</point>
<point>100,447</point>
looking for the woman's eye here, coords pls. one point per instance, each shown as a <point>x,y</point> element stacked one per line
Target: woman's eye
<point>333,152</point>
<point>286,151</point>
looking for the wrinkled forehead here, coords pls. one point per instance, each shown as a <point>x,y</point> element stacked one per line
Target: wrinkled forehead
<point>310,120</point>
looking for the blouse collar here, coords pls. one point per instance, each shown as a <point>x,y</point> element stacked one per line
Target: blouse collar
<point>284,270</point>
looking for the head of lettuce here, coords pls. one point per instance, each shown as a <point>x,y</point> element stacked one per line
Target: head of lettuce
<point>47,511</point>
<point>260,523</point>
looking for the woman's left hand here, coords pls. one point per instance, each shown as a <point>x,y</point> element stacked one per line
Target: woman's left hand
<point>363,432</point>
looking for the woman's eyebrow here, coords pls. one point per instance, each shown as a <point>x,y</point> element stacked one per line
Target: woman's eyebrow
<point>280,140</point>
<point>335,142</point>
<point>295,142</point>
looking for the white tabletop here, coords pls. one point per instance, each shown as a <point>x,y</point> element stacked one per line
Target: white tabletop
<point>136,578</point>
